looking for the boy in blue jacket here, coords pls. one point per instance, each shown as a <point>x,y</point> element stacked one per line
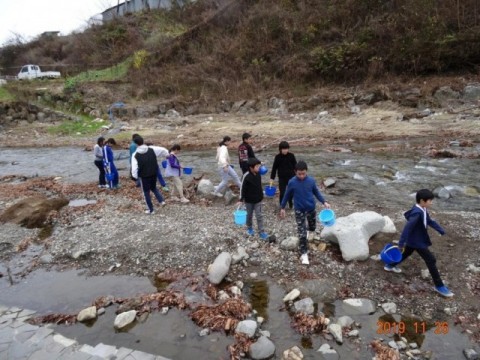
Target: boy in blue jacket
<point>303,189</point>
<point>415,238</point>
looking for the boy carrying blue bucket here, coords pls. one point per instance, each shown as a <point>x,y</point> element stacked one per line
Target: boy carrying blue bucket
<point>415,238</point>
<point>251,193</point>
<point>304,190</point>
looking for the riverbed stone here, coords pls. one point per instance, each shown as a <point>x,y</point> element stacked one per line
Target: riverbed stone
<point>240,255</point>
<point>359,306</point>
<point>294,353</point>
<point>304,306</point>
<point>87,314</point>
<point>442,193</point>
<point>124,319</point>
<point>205,189</point>
<point>247,327</point>
<point>263,348</point>
<point>290,243</point>
<point>345,321</point>
<point>328,353</point>
<point>292,295</point>
<point>220,267</point>
<point>336,331</point>
<point>389,308</point>
<point>352,233</point>
<point>472,92</point>
<point>471,354</point>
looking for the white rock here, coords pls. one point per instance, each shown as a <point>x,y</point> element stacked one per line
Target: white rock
<point>393,344</point>
<point>235,291</point>
<point>305,306</point>
<point>247,327</point>
<point>292,295</point>
<point>336,331</point>
<point>389,227</point>
<point>425,274</point>
<point>474,269</point>
<point>294,353</point>
<point>290,243</point>
<point>124,319</point>
<point>220,267</point>
<point>262,349</point>
<point>401,345</point>
<point>353,333</point>
<point>260,320</point>
<point>89,313</point>
<point>389,308</point>
<point>352,233</point>
<point>345,321</point>
<point>164,310</point>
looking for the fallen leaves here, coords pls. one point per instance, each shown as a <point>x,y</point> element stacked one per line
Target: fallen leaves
<point>384,352</point>
<point>309,324</point>
<point>217,317</point>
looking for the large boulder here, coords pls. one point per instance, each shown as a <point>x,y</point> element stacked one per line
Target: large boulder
<point>205,189</point>
<point>352,233</point>
<point>32,212</point>
<point>220,267</point>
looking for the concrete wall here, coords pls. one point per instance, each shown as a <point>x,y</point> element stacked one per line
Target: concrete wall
<point>131,6</point>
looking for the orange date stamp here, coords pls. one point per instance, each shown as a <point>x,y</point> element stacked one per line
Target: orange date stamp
<point>417,327</point>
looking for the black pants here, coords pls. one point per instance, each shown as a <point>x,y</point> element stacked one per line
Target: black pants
<point>303,218</point>
<point>101,176</point>
<point>150,184</point>
<point>282,184</point>
<point>429,259</point>
<point>244,166</point>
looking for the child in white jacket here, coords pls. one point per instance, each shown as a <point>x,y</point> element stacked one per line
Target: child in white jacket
<point>224,168</point>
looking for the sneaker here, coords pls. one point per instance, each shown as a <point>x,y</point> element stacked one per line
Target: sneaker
<point>150,212</point>
<point>263,235</point>
<point>163,203</point>
<point>250,232</point>
<point>174,198</point>
<point>165,188</point>
<point>217,194</point>
<point>443,290</point>
<point>184,200</point>
<point>391,268</point>
<point>310,235</point>
<point>304,259</point>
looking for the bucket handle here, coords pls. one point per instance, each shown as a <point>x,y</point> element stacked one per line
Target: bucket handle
<point>394,246</point>
<point>241,206</point>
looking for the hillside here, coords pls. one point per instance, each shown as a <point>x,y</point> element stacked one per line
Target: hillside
<point>244,48</point>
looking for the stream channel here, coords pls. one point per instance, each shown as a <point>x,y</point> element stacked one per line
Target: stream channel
<point>394,179</point>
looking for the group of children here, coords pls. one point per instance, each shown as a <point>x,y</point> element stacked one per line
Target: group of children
<point>297,189</point>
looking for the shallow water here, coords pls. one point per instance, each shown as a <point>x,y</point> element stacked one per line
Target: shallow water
<point>369,178</point>
<point>175,336</point>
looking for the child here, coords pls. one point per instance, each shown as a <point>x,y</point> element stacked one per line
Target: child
<point>110,169</point>
<point>415,238</point>
<point>132,148</point>
<point>303,189</point>
<point>284,163</point>
<point>245,152</point>
<point>224,168</point>
<point>251,193</point>
<point>98,153</point>
<point>174,170</point>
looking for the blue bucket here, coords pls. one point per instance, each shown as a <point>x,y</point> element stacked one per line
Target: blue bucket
<point>164,164</point>
<point>391,254</point>
<point>240,216</point>
<point>270,191</point>
<point>109,177</point>
<point>187,170</point>
<point>263,170</point>
<point>327,217</point>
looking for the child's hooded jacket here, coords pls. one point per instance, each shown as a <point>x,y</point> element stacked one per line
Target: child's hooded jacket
<point>415,234</point>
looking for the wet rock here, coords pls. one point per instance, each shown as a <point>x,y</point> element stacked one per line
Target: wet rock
<point>441,192</point>
<point>290,243</point>
<point>473,269</point>
<point>359,306</point>
<point>262,349</point>
<point>471,354</point>
<point>46,259</point>
<point>294,353</point>
<point>220,267</point>
<point>32,212</point>
<point>328,353</point>
<point>240,255</point>
<point>329,182</point>
<point>124,319</point>
<point>320,290</point>
<point>353,333</point>
<point>389,227</point>
<point>393,344</point>
<point>89,313</point>
<point>204,332</point>
<point>401,345</point>
<point>336,331</point>
<point>345,321</point>
<point>304,306</point>
<point>100,311</point>
<point>292,295</point>
<point>389,308</point>
<point>352,233</point>
<point>247,327</point>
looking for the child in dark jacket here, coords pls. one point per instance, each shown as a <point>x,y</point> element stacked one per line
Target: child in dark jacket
<point>284,163</point>
<point>251,193</point>
<point>304,190</point>
<point>415,238</point>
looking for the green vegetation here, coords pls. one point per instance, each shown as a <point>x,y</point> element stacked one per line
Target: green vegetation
<point>5,95</point>
<point>85,125</point>
<point>116,72</point>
